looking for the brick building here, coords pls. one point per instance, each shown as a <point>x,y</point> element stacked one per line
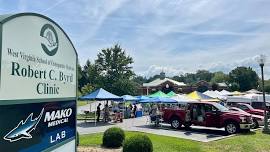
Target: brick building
<point>166,85</point>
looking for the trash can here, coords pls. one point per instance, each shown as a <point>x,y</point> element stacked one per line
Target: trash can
<point>139,113</point>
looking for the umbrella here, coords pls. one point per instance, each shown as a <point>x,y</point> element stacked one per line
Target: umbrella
<point>201,97</point>
<point>171,94</point>
<point>158,100</point>
<point>158,94</point>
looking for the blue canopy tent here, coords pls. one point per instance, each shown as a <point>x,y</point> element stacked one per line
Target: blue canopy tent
<point>101,95</point>
<point>139,98</point>
<point>129,98</point>
<point>158,100</point>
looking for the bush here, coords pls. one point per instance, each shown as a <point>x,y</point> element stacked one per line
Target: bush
<point>113,137</point>
<point>138,143</point>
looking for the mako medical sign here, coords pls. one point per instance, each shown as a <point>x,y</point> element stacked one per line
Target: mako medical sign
<point>38,81</point>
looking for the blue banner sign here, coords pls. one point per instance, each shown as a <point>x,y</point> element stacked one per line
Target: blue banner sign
<point>36,126</point>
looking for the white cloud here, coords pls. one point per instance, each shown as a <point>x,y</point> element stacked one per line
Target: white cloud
<point>155,69</point>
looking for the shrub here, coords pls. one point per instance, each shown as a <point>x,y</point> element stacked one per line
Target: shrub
<point>113,137</point>
<point>138,143</point>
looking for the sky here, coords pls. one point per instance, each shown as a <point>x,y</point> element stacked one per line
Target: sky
<point>176,36</point>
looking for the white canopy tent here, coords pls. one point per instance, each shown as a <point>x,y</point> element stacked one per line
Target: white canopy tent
<point>249,98</point>
<point>253,91</point>
<point>182,98</point>
<point>214,94</point>
<point>225,93</point>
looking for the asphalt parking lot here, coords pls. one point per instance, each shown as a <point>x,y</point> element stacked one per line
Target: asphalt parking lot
<point>196,133</point>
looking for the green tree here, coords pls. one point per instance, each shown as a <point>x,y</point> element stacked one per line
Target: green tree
<point>204,75</point>
<point>219,77</point>
<point>244,77</point>
<point>267,86</point>
<point>190,78</point>
<point>157,76</point>
<point>114,67</point>
<point>86,89</point>
<point>81,78</point>
<point>92,74</point>
<point>180,78</point>
<point>125,86</point>
<point>139,79</point>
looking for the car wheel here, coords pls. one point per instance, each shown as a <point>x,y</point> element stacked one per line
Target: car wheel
<point>176,123</point>
<point>231,128</point>
<point>255,124</point>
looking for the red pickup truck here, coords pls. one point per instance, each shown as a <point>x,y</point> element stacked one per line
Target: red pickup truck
<point>249,109</point>
<point>207,114</point>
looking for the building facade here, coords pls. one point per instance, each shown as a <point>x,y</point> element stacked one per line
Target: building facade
<point>166,85</point>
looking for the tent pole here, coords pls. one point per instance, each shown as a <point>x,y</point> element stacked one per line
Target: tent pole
<point>95,114</point>
<point>90,106</point>
<point>124,101</point>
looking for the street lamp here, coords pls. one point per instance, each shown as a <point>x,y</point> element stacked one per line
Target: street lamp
<point>261,61</point>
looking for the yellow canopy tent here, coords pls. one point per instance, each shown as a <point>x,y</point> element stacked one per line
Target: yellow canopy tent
<point>237,93</point>
<point>201,97</point>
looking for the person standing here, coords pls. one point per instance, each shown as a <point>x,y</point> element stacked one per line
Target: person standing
<point>130,111</point>
<point>106,113</point>
<point>134,110</point>
<point>98,112</point>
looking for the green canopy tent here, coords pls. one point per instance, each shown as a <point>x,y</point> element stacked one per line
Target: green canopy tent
<point>159,94</point>
<point>171,94</point>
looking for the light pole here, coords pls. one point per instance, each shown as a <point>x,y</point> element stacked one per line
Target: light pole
<point>261,61</point>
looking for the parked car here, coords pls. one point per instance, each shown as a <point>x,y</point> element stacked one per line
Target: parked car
<point>257,119</point>
<point>249,109</point>
<point>208,114</point>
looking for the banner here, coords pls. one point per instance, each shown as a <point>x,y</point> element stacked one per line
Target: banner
<point>36,126</point>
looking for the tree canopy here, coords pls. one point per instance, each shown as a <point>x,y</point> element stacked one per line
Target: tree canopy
<point>219,77</point>
<point>244,78</point>
<point>111,70</point>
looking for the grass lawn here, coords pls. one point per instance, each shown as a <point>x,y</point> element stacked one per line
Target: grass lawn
<point>88,116</point>
<point>249,142</point>
<point>81,103</point>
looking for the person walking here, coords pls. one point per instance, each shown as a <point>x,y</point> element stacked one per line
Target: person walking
<point>98,112</point>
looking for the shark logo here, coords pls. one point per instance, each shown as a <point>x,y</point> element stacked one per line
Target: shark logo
<point>24,128</point>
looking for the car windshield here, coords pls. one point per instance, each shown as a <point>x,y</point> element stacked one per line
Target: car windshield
<point>249,106</point>
<point>220,107</point>
<point>237,109</point>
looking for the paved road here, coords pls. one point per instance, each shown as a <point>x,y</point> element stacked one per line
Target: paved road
<point>142,125</point>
